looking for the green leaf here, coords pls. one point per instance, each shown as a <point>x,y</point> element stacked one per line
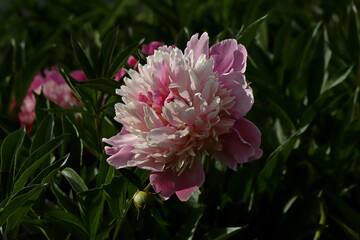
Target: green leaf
<point>247,35</point>
<point>182,38</point>
<point>131,177</point>
<point>18,215</point>
<point>44,133</point>
<point>104,85</point>
<point>223,233</point>
<point>187,230</point>
<point>94,206</point>
<point>42,102</point>
<point>122,58</point>
<point>18,200</point>
<point>111,17</point>
<point>82,59</point>
<point>157,215</point>
<point>72,144</point>
<point>349,232</point>
<point>353,31</point>
<point>28,73</point>
<point>34,161</point>
<point>63,200</point>
<point>107,51</point>
<point>7,124</point>
<point>351,216</point>
<point>9,155</point>
<point>277,159</point>
<point>68,217</point>
<point>336,79</point>
<point>115,195</point>
<point>75,180</point>
<point>45,175</point>
<point>103,170</point>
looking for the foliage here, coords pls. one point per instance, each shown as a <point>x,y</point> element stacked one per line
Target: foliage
<point>303,67</point>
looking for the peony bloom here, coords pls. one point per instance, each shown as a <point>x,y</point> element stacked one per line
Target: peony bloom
<point>147,49</point>
<point>180,105</point>
<point>55,89</point>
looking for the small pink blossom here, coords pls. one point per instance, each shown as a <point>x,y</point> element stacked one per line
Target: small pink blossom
<point>150,49</point>
<point>55,89</point>
<point>147,49</point>
<point>180,105</point>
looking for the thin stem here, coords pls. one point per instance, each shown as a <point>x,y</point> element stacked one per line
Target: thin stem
<point>147,187</point>
<point>118,227</point>
<point>321,221</point>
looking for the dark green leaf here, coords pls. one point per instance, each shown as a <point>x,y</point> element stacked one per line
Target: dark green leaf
<point>7,124</point>
<point>277,159</point>
<point>9,155</point>
<point>76,182</point>
<point>247,35</point>
<point>83,59</point>
<point>39,156</point>
<point>67,217</point>
<point>28,73</point>
<point>34,161</point>
<point>122,58</point>
<point>188,229</point>
<point>131,177</point>
<point>107,51</point>
<point>18,200</point>
<point>44,133</point>
<point>45,175</point>
<point>222,233</point>
<point>104,85</point>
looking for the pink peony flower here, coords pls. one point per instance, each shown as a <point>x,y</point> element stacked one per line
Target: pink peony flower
<point>147,49</point>
<point>180,105</point>
<point>54,88</point>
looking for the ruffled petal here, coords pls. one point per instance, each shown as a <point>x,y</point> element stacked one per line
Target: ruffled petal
<point>121,150</point>
<point>241,145</point>
<point>169,182</point>
<point>228,55</point>
<point>198,46</point>
<point>240,89</point>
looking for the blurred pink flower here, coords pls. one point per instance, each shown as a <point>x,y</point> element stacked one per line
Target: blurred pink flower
<point>179,106</point>
<point>55,89</point>
<point>147,49</point>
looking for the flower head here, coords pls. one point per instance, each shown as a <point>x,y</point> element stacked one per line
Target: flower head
<point>55,89</point>
<point>180,105</point>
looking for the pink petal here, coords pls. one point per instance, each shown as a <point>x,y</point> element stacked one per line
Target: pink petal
<point>119,74</point>
<point>79,75</point>
<point>241,145</point>
<point>235,81</point>
<point>251,134</point>
<point>54,75</point>
<point>169,182</point>
<point>199,46</point>
<point>120,156</point>
<point>149,49</point>
<point>228,55</point>
<point>121,150</point>
<point>132,61</point>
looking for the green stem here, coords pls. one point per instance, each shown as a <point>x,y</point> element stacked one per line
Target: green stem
<point>118,227</point>
<point>147,187</point>
<point>321,221</point>
<point>121,222</point>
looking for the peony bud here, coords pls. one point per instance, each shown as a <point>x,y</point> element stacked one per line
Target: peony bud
<point>143,199</point>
